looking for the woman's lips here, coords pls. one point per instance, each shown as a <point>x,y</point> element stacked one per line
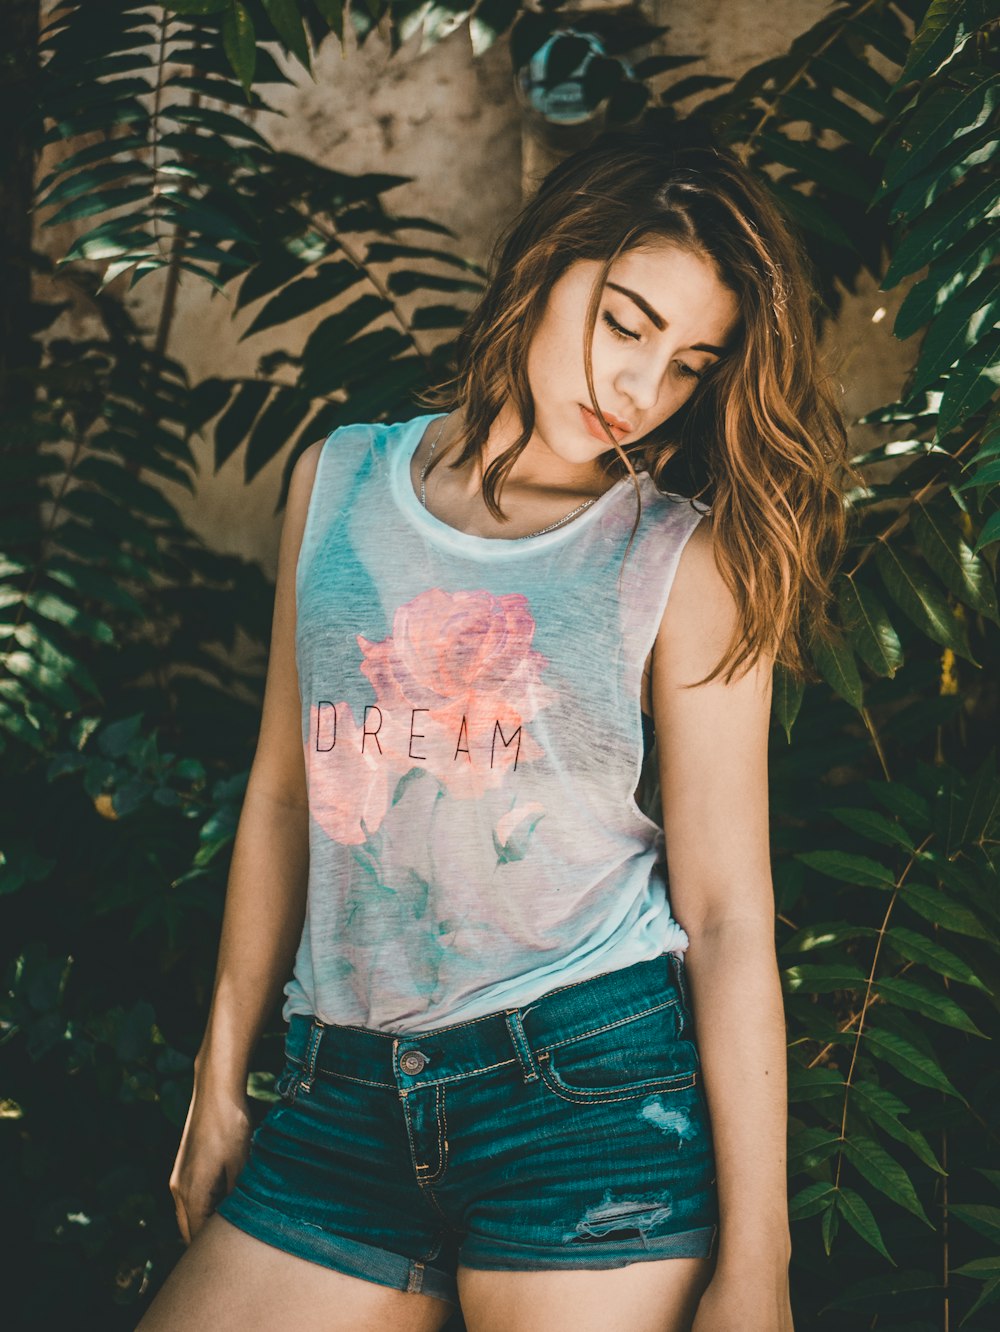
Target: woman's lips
<point>594,426</point>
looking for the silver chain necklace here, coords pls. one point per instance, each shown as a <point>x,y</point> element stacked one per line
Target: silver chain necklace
<point>541,530</point>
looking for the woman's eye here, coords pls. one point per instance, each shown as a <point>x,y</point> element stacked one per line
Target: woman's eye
<point>618,330</point>
<point>626,334</point>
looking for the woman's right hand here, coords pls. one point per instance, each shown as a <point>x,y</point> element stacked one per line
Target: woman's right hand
<point>214,1145</point>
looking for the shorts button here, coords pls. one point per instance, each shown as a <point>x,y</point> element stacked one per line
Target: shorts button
<point>412,1061</point>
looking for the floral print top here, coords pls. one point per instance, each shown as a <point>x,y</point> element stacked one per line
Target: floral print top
<point>473,741</point>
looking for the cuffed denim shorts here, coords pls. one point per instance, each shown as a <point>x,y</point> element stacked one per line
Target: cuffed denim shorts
<point>570,1133</point>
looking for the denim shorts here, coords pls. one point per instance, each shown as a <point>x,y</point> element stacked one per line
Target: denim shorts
<point>570,1133</point>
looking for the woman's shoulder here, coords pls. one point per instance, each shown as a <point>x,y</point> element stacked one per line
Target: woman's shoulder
<point>701,593</point>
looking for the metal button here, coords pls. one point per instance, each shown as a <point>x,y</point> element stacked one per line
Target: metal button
<point>412,1061</point>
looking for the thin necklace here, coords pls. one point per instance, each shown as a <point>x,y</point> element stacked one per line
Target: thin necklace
<point>541,530</point>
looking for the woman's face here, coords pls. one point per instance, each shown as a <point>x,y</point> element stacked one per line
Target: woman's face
<point>664,319</point>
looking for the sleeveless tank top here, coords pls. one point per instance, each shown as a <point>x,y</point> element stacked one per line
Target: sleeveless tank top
<point>473,740</point>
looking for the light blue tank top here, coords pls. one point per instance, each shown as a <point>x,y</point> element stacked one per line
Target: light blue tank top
<point>473,741</point>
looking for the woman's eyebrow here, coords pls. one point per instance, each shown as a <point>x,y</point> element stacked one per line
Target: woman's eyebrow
<point>658,321</point>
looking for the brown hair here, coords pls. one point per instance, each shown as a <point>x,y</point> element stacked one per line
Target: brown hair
<point>761,438</point>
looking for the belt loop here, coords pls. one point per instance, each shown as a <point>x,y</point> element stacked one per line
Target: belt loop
<point>677,963</point>
<point>312,1050</point>
<point>523,1050</point>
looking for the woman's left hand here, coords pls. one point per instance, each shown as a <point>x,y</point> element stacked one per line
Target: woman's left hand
<point>745,1303</point>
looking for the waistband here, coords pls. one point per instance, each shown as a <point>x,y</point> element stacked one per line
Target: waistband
<point>464,1049</point>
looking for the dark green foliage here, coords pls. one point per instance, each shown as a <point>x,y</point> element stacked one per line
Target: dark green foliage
<point>127,737</point>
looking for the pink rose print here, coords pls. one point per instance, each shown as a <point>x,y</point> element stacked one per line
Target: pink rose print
<point>348,789</point>
<point>456,683</point>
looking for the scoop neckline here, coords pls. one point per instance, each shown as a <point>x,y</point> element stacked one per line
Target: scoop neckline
<point>408,501</point>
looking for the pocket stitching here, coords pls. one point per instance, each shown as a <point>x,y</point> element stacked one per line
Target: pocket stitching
<point>620,1022</point>
<point>625,1092</point>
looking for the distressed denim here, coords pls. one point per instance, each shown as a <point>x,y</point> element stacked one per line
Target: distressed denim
<point>570,1133</point>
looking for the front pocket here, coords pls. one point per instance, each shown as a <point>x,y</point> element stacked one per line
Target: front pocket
<point>638,1057</point>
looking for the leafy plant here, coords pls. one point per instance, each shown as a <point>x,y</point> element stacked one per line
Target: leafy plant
<point>889,937</point>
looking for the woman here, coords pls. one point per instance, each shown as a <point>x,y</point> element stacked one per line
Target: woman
<point>523,1072</point>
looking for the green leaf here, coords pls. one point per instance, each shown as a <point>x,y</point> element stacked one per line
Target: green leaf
<point>942,225</point>
<point>54,608</point>
<point>810,1147</point>
<point>970,384</point>
<point>917,196</point>
<point>943,31</point>
<point>917,948</point>
<point>835,663</point>
<point>869,823</point>
<point>813,1084</point>
<point>93,179</point>
<point>88,582</point>
<point>989,534</point>
<point>868,627</point>
<point>887,1111</point>
<point>219,124</point>
<point>786,698</point>
<point>287,20</point>
<point>979,1267</point>
<point>902,801</point>
<point>984,1219</point>
<point>964,320</point>
<point>825,936</point>
<point>944,549</point>
<point>209,219</point>
<point>45,681</point>
<point>949,275</point>
<point>935,906</point>
<point>884,1172</point>
<point>937,1007</point>
<point>813,1198</point>
<point>905,1058</point>
<point>849,868</point>
<point>858,1215</point>
<point>810,979</point>
<point>940,119</point>
<point>977,809</point>
<point>333,12</point>
<point>239,43</point>
<point>984,477</point>
<point>911,589</point>
<point>99,202</point>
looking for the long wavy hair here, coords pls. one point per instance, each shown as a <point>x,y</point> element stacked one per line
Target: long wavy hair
<point>761,440</point>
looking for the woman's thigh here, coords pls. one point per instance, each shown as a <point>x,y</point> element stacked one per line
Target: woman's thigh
<point>227,1279</point>
<point>657,1296</point>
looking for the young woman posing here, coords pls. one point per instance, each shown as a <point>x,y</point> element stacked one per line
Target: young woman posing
<point>525,1072</point>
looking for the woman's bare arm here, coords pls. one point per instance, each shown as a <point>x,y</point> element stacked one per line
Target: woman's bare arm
<point>265,896</point>
<point>712,743</point>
